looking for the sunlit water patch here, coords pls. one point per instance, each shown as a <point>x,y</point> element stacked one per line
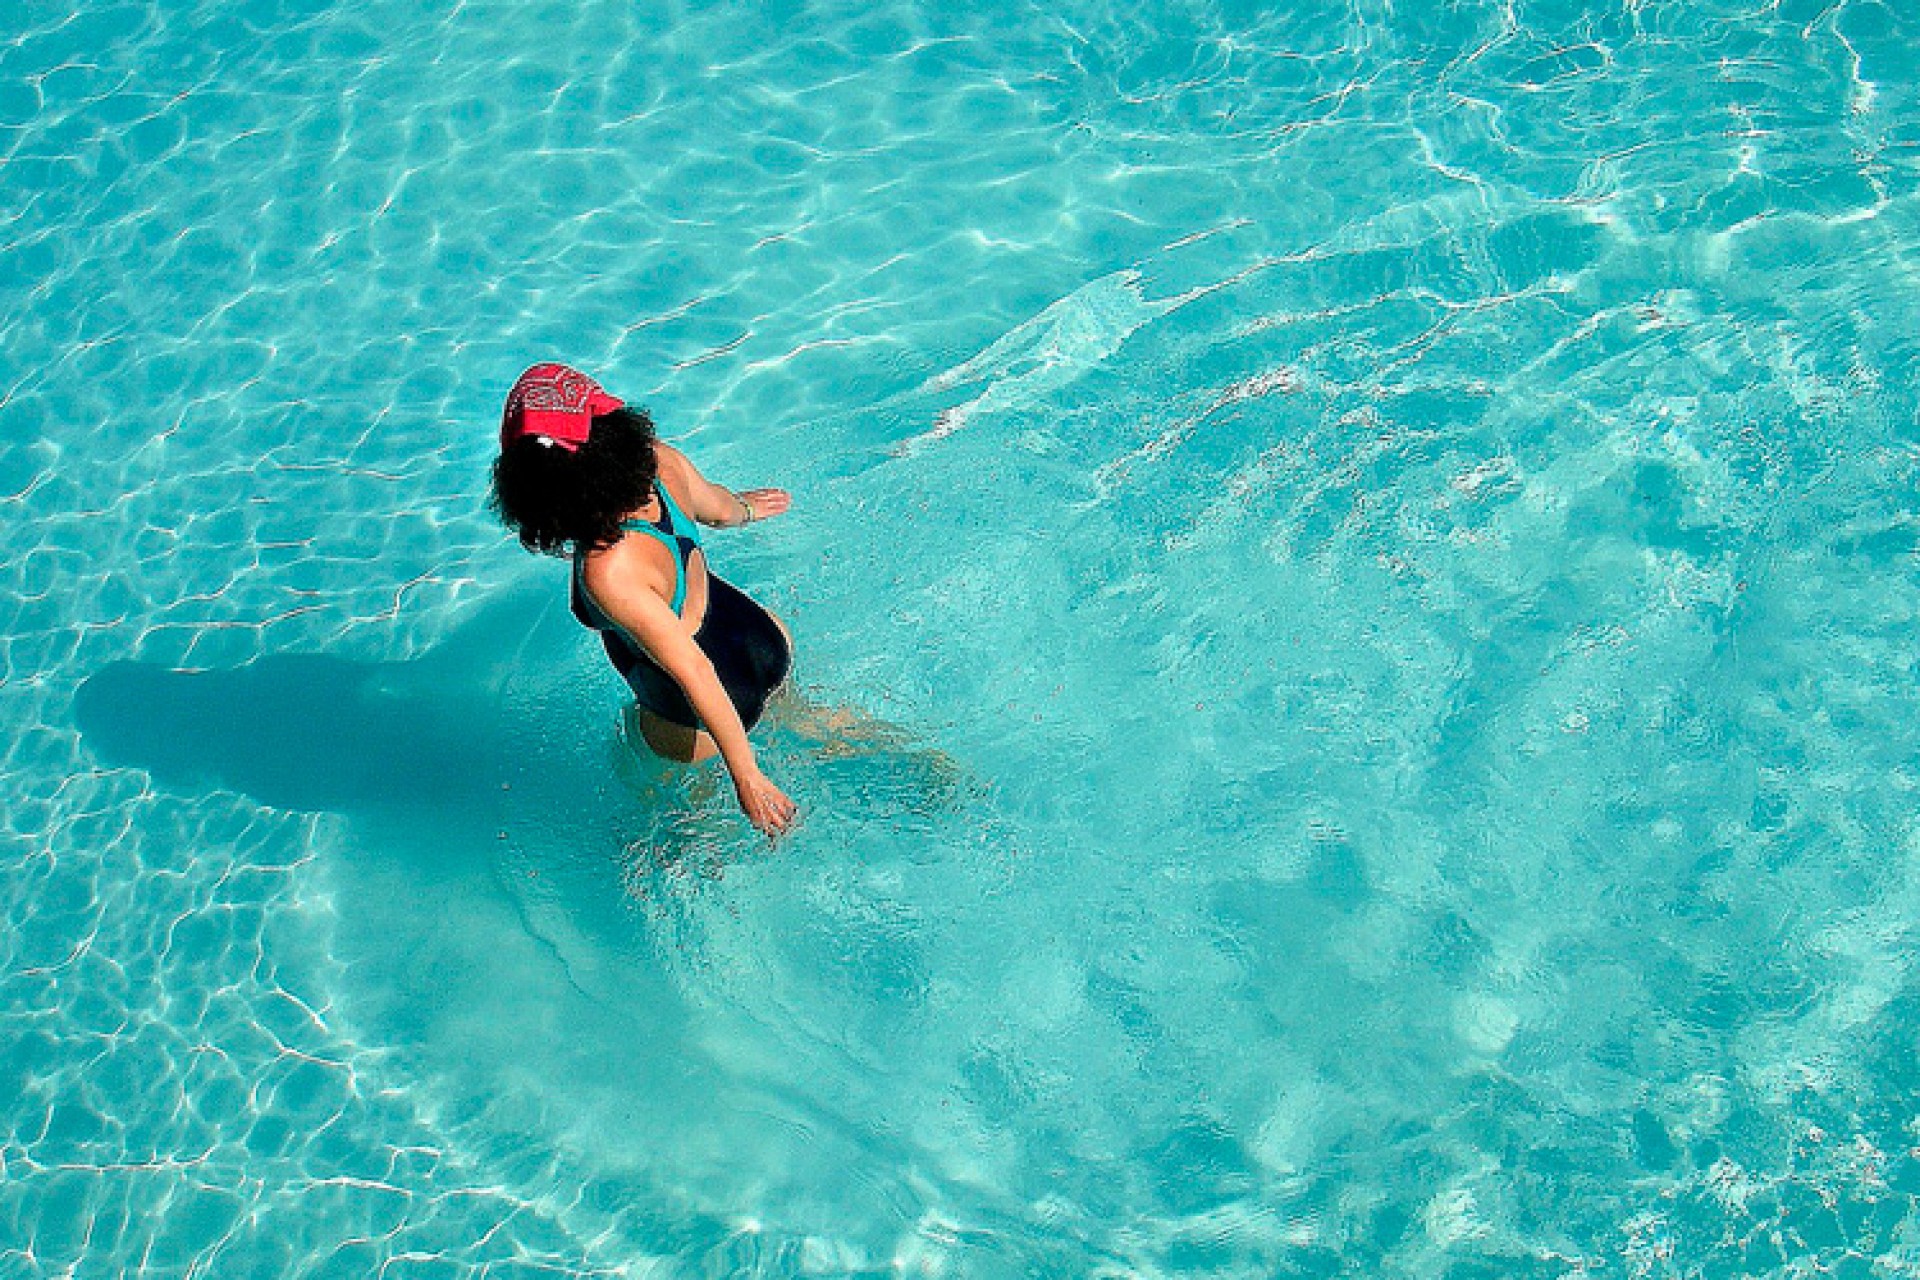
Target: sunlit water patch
<point>1372,553</point>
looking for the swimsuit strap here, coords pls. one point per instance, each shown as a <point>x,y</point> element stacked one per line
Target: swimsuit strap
<point>675,521</point>
<point>667,533</point>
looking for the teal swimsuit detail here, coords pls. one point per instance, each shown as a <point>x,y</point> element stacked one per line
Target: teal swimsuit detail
<point>668,530</point>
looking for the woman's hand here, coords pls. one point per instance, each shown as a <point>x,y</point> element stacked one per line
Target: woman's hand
<point>765,805</point>
<point>758,504</point>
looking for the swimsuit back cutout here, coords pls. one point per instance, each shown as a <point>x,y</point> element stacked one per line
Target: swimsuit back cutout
<point>674,531</point>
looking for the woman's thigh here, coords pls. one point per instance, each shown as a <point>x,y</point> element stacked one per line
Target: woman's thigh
<point>671,741</point>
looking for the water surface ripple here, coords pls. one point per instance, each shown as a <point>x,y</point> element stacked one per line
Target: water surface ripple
<point>1382,537</point>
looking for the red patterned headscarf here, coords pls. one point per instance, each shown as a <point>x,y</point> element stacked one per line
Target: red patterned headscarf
<point>555,405</point>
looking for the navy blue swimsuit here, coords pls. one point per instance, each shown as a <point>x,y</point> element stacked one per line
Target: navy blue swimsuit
<point>746,646</point>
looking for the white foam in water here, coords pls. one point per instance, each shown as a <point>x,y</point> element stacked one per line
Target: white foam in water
<point>1382,543</point>
<point>1044,354</point>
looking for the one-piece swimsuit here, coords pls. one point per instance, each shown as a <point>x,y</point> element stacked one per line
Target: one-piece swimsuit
<point>748,650</point>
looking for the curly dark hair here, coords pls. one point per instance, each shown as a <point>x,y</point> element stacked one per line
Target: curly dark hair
<point>557,499</point>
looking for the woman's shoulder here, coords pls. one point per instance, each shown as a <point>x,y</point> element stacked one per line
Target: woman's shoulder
<point>670,459</point>
<point>678,474</point>
<point>626,560</point>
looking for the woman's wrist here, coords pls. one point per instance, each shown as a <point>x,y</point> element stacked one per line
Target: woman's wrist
<point>747,514</point>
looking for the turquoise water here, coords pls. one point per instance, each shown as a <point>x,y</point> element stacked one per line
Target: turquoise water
<point>1381,540</point>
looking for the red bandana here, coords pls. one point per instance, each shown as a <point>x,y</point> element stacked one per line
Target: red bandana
<point>554,404</point>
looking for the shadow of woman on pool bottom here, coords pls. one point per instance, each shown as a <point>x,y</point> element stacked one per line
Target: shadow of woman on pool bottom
<point>503,733</point>
<point>319,733</point>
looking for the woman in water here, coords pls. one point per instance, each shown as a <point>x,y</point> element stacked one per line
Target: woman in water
<point>580,472</point>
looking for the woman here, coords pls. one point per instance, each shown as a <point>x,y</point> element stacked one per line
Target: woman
<point>580,471</point>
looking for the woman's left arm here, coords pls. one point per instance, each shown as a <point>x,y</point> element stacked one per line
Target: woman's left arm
<point>716,505</point>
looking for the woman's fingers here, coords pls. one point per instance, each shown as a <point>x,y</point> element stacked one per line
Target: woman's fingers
<point>768,808</point>
<point>782,810</point>
<point>767,502</point>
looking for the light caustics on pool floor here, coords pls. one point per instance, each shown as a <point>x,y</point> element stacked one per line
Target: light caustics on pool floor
<point>1373,551</point>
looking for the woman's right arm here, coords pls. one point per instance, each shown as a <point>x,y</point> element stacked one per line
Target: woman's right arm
<point>714,504</point>
<point>644,614</point>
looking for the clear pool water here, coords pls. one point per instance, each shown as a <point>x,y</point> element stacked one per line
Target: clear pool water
<point>1381,540</point>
